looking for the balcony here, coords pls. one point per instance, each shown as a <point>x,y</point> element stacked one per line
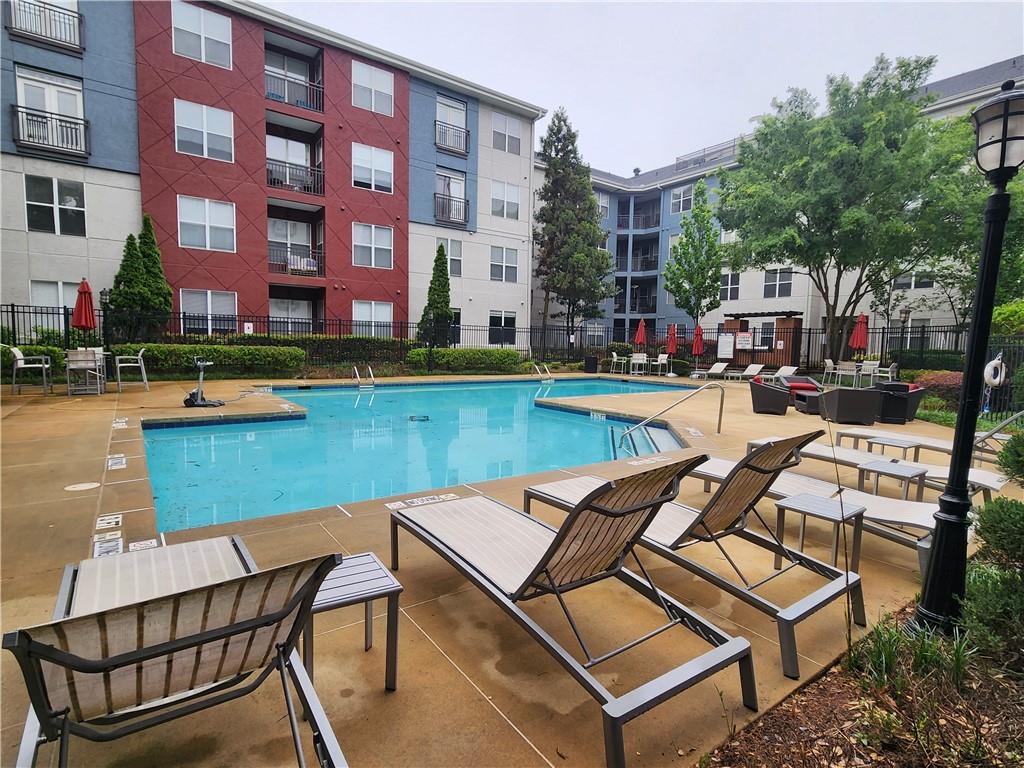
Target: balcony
<point>451,210</point>
<point>621,263</point>
<point>298,178</point>
<point>49,131</point>
<point>298,93</point>
<point>46,22</point>
<point>639,220</point>
<point>301,260</point>
<point>451,138</point>
<point>643,307</point>
<point>645,263</point>
<point>620,307</point>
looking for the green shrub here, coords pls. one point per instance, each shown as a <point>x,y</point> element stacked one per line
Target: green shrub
<point>604,365</point>
<point>54,337</point>
<point>56,355</point>
<point>1000,527</point>
<point>682,367</point>
<point>933,403</point>
<point>943,384</point>
<point>180,358</point>
<point>1017,385</point>
<point>620,348</point>
<point>7,336</point>
<point>1011,458</point>
<point>930,359</point>
<point>993,609</point>
<point>332,349</point>
<point>497,360</point>
<point>1008,319</point>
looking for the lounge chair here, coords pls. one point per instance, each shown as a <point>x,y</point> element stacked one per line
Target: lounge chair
<point>23,363</point>
<point>769,399</point>
<point>618,363</point>
<point>638,363</point>
<point>850,405</point>
<point>718,369</point>
<point>678,526</point>
<point>512,557</point>
<point>131,361</point>
<point>986,444</point>
<point>783,372</point>
<point>749,372</point>
<point>829,372</point>
<point>661,364</point>
<point>979,480</point>
<point>126,652</point>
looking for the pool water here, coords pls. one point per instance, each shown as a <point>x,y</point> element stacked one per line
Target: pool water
<point>358,445</point>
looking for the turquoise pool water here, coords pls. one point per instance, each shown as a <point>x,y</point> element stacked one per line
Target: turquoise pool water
<point>362,445</point>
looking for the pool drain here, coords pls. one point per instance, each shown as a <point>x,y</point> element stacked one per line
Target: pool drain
<point>419,418</point>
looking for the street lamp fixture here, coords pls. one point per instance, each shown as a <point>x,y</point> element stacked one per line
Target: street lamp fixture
<point>999,153</point>
<point>905,315</point>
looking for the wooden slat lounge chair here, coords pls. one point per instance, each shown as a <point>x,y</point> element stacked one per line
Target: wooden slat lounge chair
<point>718,369</point>
<point>512,557</point>
<point>979,480</point>
<point>749,372</point>
<point>784,371</point>
<point>143,638</point>
<point>678,526</point>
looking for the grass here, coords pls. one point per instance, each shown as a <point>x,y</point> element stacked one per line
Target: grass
<point>948,418</point>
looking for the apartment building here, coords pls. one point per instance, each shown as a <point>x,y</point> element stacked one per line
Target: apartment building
<point>642,215</point>
<point>69,144</point>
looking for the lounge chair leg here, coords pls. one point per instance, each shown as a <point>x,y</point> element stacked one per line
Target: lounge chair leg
<point>65,743</point>
<point>857,603</point>
<point>292,720</point>
<point>614,746</point>
<point>391,664</point>
<point>394,545</point>
<point>924,554</point>
<point>787,643</point>
<point>748,684</point>
<point>368,626</point>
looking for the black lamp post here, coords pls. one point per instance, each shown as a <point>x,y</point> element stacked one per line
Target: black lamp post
<point>904,319</point>
<point>999,132</point>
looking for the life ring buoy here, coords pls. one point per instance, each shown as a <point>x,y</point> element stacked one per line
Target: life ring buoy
<point>995,373</point>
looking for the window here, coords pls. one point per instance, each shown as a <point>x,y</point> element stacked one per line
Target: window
<point>682,199</point>
<point>505,133</point>
<point>372,168</point>
<point>287,67</point>
<point>372,246</point>
<point>208,224</point>
<point>50,110</point>
<point>291,316</point>
<point>503,264</point>
<point>456,328</point>
<point>603,201</point>
<point>204,131</point>
<point>53,293</point>
<point>504,200</point>
<point>288,238</point>
<point>778,283</point>
<point>912,280</point>
<point>55,205</point>
<point>923,280</point>
<point>730,290</point>
<point>904,282</point>
<point>502,328</point>
<point>451,112</point>
<point>372,318</point>
<point>201,34</point>
<point>372,88</point>
<point>766,338</point>
<point>453,249</point>
<point>209,312</point>
<point>728,236</point>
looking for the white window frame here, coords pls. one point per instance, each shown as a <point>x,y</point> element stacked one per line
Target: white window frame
<point>373,72</point>
<point>773,282</point>
<point>209,314</point>
<point>759,339</point>
<point>447,243</point>
<point>66,289</point>
<point>51,83</point>
<point>730,283</point>
<point>604,202</point>
<point>503,315</point>
<point>203,14</point>
<point>446,105</point>
<point>55,204</point>
<point>500,192</point>
<point>679,194</point>
<point>381,328</point>
<point>507,127</point>
<point>381,160</point>
<point>504,264</point>
<point>206,224</point>
<point>373,245</point>
<point>205,130</point>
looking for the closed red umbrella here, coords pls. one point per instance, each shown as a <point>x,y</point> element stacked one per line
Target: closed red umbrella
<point>84,316</point>
<point>641,334</point>
<point>859,338</point>
<point>698,342</point>
<point>672,343</point>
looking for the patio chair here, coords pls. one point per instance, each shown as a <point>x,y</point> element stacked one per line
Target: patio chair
<point>512,557</point>
<point>769,399</point>
<point>783,372</point>
<point>899,401</point>
<point>850,405</point>
<point>868,369</point>
<point>752,370</point>
<point>107,667</point>
<point>885,374</point>
<point>131,361</point>
<point>618,363</point>
<point>638,363</point>
<point>844,369</point>
<point>718,369</point>
<point>84,372</point>
<point>661,364</point>
<point>829,372</point>
<point>24,363</point>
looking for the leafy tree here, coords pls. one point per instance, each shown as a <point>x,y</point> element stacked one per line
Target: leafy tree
<point>436,322</point>
<point>140,299</point>
<point>693,272</point>
<point>571,266</point>
<point>836,196</point>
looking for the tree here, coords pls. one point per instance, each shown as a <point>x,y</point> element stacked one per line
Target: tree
<point>140,299</point>
<point>835,196</point>
<point>693,272</point>
<point>436,322</point>
<point>571,266</point>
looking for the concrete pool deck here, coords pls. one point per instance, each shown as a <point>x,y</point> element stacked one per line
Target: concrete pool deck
<point>473,689</point>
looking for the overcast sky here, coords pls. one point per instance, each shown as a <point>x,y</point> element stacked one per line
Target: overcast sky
<point>645,82</point>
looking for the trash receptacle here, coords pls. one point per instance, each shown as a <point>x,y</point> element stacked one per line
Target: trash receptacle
<point>590,364</point>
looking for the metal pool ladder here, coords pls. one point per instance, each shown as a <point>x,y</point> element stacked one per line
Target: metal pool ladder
<point>687,396</point>
<point>550,379</point>
<point>359,382</point>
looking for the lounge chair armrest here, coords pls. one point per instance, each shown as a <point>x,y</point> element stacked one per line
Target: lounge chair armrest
<point>44,359</point>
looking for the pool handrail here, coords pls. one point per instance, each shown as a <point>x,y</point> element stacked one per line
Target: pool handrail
<point>684,398</point>
<point>549,380</point>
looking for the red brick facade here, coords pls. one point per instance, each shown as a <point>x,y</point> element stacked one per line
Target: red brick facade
<point>163,76</point>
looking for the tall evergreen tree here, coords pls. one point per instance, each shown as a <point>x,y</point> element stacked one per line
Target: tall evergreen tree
<point>693,272</point>
<point>140,299</point>
<point>159,289</point>
<point>571,266</point>
<point>436,322</point>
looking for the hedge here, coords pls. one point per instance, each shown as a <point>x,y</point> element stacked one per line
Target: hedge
<point>333,349</point>
<point>180,358</point>
<point>497,360</point>
<point>930,359</point>
<point>944,384</point>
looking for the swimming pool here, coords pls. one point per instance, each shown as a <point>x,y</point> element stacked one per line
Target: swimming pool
<point>357,445</point>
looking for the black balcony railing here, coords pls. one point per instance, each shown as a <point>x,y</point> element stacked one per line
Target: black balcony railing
<point>639,220</point>
<point>643,307</point>
<point>645,263</point>
<point>451,210</point>
<point>621,263</point>
<point>298,178</point>
<point>47,22</point>
<point>46,130</point>
<point>298,93</point>
<point>285,259</point>
<point>451,137</point>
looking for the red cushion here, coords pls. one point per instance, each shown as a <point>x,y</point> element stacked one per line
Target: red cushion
<point>802,385</point>
<point>756,380</point>
<point>912,387</point>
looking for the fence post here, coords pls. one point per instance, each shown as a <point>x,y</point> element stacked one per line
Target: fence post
<point>14,327</point>
<point>67,327</point>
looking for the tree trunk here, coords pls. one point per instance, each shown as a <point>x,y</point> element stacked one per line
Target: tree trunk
<point>544,326</point>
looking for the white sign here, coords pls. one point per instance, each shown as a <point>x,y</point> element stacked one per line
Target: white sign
<point>744,340</point>
<point>135,546</point>
<point>247,328</point>
<point>780,344</point>
<point>726,342</point>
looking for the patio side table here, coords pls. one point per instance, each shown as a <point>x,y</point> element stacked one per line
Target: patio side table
<point>359,579</point>
<point>904,472</point>
<point>905,444</point>
<point>831,510</point>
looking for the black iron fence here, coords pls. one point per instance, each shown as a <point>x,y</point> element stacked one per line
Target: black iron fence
<point>48,130</point>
